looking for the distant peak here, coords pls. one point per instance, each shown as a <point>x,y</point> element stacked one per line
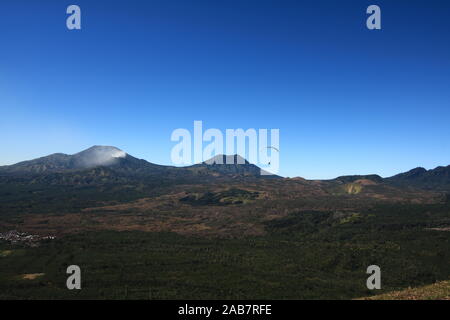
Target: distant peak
<point>227,159</point>
<point>418,169</point>
<point>99,147</point>
<point>98,156</point>
<point>108,151</point>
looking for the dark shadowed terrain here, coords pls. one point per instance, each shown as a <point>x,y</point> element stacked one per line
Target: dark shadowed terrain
<point>144,231</point>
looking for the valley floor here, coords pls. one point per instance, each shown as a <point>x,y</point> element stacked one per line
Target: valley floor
<point>305,255</point>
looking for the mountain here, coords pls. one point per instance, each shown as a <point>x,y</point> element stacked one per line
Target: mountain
<point>96,156</point>
<point>228,165</point>
<point>104,174</point>
<point>110,164</point>
<point>437,179</point>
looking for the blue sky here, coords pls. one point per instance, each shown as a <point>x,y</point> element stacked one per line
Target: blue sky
<point>347,100</point>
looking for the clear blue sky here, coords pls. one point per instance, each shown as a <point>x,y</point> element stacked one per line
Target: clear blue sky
<point>346,100</point>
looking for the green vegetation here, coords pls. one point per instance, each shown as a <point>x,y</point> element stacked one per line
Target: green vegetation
<point>231,196</point>
<point>306,255</point>
<point>353,188</point>
<point>16,199</point>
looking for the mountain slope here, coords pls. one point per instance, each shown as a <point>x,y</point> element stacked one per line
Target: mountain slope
<point>436,291</point>
<point>437,179</point>
<point>58,162</point>
<point>105,164</point>
<point>110,164</point>
<point>228,165</point>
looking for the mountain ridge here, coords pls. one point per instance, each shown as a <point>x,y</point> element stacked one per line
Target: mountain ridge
<point>111,160</point>
<point>433,179</point>
<point>121,163</point>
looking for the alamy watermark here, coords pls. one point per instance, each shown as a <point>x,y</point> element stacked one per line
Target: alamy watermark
<point>73,22</point>
<point>251,144</point>
<point>374,20</point>
<point>74,280</point>
<point>374,281</point>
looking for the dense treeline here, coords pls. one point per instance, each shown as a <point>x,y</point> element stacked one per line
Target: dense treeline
<point>307,255</point>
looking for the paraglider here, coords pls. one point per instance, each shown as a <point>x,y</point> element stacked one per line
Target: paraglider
<point>273,149</point>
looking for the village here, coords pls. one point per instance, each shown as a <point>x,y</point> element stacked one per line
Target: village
<point>15,237</point>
